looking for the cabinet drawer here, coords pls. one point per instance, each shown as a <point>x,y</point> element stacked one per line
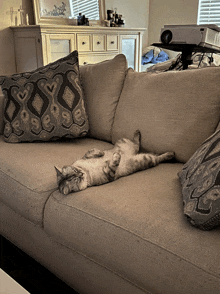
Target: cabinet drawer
<point>99,42</point>
<point>112,42</point>
<point>94,58</point>
<point>84,42</point>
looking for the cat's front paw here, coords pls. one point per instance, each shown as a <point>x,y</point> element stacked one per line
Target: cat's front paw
<point>70,170</point>
<point>66,170</point>
<point>116,158</point>
<point>93,153</point>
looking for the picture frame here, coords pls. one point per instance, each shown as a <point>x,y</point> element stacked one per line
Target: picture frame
<point>59,12</point>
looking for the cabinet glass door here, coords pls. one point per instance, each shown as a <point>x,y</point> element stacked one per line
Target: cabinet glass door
<point>129,49</point>
<point>59,49</point>
<point>59,46</point>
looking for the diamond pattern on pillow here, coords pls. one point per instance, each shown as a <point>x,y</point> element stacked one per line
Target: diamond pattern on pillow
<point>45,104</point>
<point>200,179</point>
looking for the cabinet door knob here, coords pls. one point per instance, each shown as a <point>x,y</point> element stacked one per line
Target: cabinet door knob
<point>112,42</point>
<point>85,62</point>
<point>83,43</point>
<point>98,42</point>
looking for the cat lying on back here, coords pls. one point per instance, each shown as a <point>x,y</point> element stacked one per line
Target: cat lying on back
<point>101,167</point>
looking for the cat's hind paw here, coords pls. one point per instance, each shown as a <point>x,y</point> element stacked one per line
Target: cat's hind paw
<point>170,155</point>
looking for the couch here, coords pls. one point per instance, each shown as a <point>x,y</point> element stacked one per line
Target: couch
<point>130,236</point>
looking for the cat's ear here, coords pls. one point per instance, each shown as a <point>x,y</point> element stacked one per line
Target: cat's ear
<point>59,173</point>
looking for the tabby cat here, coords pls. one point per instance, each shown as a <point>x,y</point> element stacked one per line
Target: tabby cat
<point>100,167</point>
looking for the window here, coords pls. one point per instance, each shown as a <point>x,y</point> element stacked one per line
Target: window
<point>89,8</point>
<point>209,12</point>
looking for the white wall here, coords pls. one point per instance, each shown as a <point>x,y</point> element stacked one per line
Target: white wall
<point>7,57</point>
<point>135,13</point>
<point>165,12</point>
<point>7,60</point>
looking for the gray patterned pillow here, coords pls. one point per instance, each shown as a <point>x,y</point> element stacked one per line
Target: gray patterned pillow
<point>45,104</point>
<point>200,179</point>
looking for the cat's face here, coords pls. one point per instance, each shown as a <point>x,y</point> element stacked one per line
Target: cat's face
<point>70,179</point>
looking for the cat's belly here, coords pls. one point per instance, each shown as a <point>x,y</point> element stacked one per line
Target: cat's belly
<point>94,168</point>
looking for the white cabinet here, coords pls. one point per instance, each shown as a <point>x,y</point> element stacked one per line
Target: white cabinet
<point>39,45</point>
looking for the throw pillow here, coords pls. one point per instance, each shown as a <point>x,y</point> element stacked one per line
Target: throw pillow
<point>45,104</point>
<point>2,98</point>
<point>200,179</point>
<point>102,84</point>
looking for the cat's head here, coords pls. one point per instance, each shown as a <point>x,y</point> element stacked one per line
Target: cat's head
<point>70,179</point>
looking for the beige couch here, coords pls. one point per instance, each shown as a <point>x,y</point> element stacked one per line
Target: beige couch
<point>129,236</point>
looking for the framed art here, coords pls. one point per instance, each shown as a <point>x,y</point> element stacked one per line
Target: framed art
<point>66,11</point>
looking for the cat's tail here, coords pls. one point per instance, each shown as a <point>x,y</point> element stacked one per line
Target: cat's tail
<point>111,166</point>
<point>137,139</point>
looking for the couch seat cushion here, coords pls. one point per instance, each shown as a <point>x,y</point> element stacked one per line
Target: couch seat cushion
<point>135,227</point>
<point>175,111</point>
<point>27,173</point>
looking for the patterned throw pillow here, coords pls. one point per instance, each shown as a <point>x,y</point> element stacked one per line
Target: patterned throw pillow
<point>45,104</point>
<point>200,179</point>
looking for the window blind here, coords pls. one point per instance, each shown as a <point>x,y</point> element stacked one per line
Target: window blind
<point>89,8</point>
<point>209,12</point>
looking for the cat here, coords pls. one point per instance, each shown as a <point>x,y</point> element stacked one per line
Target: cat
<point>100,167</point>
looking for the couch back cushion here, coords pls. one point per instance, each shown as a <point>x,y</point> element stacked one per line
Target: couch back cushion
<point>102,84</point>
<point>175,111</point>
